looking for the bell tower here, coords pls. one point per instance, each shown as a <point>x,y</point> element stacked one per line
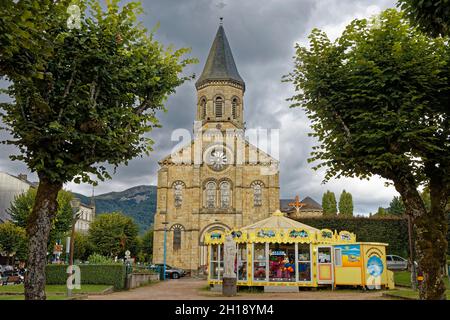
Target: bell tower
<point>219,188</point>
<point>220,88</point>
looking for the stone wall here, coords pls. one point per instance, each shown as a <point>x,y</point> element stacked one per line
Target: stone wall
<point>135,280</point>
<point>194,218</point>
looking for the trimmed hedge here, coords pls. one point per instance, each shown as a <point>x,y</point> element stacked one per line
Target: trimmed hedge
<point>113,274</point>
<point>393,231</point>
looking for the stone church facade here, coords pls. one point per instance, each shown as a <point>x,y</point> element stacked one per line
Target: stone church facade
<point>219,181</point>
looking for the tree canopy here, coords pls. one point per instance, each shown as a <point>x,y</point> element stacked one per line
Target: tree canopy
<point>82,247</point>
<point>396,207</point>
<point>22,206</point>
<point>95,96</point>
<point>146,245</point>
<point>378,101</point>
<point>112,234</point>
<point>83,96</point>
<point>329,205</point>
<point>12,241</point>
<point>346,204</point>
<point>431,16</point>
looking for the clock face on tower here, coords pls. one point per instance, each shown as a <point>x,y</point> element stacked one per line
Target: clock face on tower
<point>217,159</point>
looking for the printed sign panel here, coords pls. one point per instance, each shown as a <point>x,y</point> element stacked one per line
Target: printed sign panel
<point>351,255</point>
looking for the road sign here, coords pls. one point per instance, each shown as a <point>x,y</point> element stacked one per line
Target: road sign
<point>58,248</point>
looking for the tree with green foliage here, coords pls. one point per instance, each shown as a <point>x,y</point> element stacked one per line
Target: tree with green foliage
<point>396,207</point>
<point>84,93</point>
<point>329,205</point>
<point>22,207</point>
<point>378,99</point>
<point>96,258</point>
<point>346,204</point>
<point>112,234</point>
<point>431,16</point>
<point>82,247</point>
<point>12,241</point>
<point>381,212</point>
<point>146,245</point>
<point>21,26</point>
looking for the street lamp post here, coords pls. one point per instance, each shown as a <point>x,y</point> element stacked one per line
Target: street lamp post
<point>75,204</point>
<point>67,249</point>
<point>411,254</point>
<point>165,249</point>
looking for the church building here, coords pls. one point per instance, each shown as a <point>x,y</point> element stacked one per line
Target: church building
<point>219,181</point>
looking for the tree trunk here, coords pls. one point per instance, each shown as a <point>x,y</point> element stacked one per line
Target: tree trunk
<point>432,244</point>
<point>38,230</point>
<point>431,229</point>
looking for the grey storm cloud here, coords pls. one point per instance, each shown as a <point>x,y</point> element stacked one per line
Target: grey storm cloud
<point>262,35</point>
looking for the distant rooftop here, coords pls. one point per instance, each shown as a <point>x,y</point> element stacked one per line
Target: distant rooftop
<point>310,205</point>
<point>22,177</point>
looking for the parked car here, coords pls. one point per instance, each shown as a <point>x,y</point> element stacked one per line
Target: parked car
<point>10,276</point>
<point>4,268</point>
<point>171,272</point>
<point>397,263</point>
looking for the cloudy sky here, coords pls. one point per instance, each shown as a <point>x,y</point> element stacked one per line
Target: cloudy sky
<point>262,35</point>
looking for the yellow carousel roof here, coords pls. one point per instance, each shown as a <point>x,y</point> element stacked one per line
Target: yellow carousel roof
<point>278,221</point>
<point>279,229</point>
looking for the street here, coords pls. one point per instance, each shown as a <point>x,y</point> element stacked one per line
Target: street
<point>195,289</point>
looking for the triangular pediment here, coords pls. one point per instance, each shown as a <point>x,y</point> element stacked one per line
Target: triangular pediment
<point>251,155</point>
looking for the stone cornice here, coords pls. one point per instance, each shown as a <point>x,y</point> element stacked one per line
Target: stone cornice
<point>220,83</point>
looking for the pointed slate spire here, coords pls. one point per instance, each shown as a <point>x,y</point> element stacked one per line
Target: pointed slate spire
<point>220,63</point>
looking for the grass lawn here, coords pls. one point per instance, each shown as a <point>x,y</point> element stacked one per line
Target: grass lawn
<point>403,278</point>
<point>22,297</point>
<point>55,289</point>
<point>408,293</point>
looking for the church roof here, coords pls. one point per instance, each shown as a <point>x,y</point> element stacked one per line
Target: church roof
<point>309,204</point>
<point>278,221</point>
<point>220,63</point>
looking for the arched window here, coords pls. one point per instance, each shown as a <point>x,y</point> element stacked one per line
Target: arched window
<point>176,239</point>
<point>203,108</point>
<point>234,106</point>
<point>176,228</point>
<point>225,194</point>
<point>257,187</point>
<point>219,107</point>
<point>178,187</point>
<point>211,195</point>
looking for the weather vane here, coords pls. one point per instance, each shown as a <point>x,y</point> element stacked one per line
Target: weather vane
<point>221,5</point>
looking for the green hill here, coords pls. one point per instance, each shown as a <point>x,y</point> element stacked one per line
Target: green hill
<point>138,203</point>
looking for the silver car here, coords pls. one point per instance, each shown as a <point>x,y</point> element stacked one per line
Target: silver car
<point>397,263</point>
<point>6,268</point>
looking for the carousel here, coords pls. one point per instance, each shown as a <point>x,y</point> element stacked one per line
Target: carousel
<point>279,251</point>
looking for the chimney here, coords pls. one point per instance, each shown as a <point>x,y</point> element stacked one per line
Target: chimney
<point>22,177</point>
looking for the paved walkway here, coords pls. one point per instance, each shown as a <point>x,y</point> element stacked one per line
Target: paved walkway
<point>195,289</point>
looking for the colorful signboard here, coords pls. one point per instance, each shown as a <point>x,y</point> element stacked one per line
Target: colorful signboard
<point>266,234</point>
<point>351,255</point>
<point>375,266</point>
<point>299,234</point>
